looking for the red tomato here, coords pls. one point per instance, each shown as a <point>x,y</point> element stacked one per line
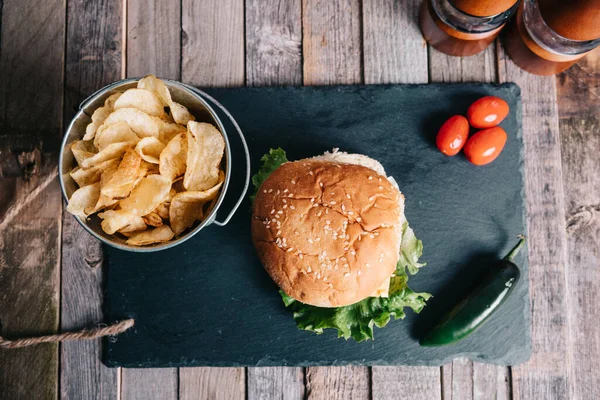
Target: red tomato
<point>452,135</point>
<point>485,146</point>
<point>487,112</point>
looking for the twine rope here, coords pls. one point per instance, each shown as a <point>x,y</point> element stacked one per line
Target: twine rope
<point>84,334</point>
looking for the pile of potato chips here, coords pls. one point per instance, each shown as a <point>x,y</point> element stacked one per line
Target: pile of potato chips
<point>147,165</point>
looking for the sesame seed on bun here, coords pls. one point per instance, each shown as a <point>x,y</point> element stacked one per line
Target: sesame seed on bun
<point>328,231</point>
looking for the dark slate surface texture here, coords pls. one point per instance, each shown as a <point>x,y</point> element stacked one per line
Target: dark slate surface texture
<point>209,301</point>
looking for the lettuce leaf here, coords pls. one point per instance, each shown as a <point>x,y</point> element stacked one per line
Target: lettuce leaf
<point>356,321</point>
<point>411,249</point>
<point>270,162</point>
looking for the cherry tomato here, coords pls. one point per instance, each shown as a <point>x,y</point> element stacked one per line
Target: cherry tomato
<point>452,136</point>
<point>485,146</point>
<point>487,112</point>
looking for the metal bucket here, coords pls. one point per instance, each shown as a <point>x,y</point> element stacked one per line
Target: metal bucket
<point>197,102</point>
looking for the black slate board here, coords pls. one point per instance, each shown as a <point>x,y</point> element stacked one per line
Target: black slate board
<point>209,302</point>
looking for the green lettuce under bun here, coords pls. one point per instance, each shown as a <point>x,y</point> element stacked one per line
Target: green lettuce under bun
<point>356,321</point>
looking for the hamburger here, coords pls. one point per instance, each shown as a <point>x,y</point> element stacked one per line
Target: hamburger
<point>331,232</point>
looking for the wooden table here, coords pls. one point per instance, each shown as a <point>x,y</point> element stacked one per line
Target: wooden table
<point>53,55</point>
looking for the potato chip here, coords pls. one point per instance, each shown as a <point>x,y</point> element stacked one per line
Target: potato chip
<point>163,210</point>
<point>147,195</point>
<point>140,122</point>
<point>151,169</point>
<point>136,225</point>
<point>110,152</point>
<point>133,228</point>
<point>82,198</point>
<point>153,219</point>
<point>173,157</point>
<point>205,151</point>
<point>168,130</point>
<point>157,235</point>
<point>186,207</point>
<point>115,133</point>
<point>82,149</point>
<point>105,177</point>
<point>100,115</point>
<point>143,100</point>
<point>149,149</point>
<point>125,177</point>
<point>85,177</point>
<point>180,114</point>
<point>113,220</point>
<point>146,167</point>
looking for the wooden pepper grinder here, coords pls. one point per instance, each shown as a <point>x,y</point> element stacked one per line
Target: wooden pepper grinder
<point>464,27</point>
<point>549,36</point>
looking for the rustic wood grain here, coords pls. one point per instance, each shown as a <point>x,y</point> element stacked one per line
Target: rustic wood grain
<point>331,42</point>
<point>419,383</point>
<point>29,287</point>
<point>31,66</point>
<point>94,38</point>
<point>154,38</point>
<point>338,383</point>
<point>579,111</point>
<point>212,383</point>
<point>547,374</point>
<point>82,373</point>
<point>478,68</point>
<point>331,45</point>
<point>285,383</point>
<point>462,378</point>
<point>213,55</point>
<point>394,50</point>
<point>273,42</point>
<point>273,58</point>
<point>31,90</point>
<point>213,42</point>
<point>153,47</point>
<point>149,384</point>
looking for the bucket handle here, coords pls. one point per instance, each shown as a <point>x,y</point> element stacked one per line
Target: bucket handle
<point>246,151</point>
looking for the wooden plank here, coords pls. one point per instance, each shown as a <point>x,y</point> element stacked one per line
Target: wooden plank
<point>338,383</point>
<point>273,42</point>
<point>275,383</point>
<point>82,371</point>
<point>154,38</point>
<point>213,42</point>
<point>462,378</point>
<point>395,52</point>
<point>579,111</point>
<point>419,383</point>
<point>478,68</point>
<point>546,375</point>
<point>149,384</point>
<point>153,47</point>
<point>212,383</point>
<point>394,49</point>
<point>31,91</point>
<point>332,55</point>
<point>331,42</point>
<point>212,55</point>
<point>94,59</point>
<point>273,57</point>
<point>31,83</point>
